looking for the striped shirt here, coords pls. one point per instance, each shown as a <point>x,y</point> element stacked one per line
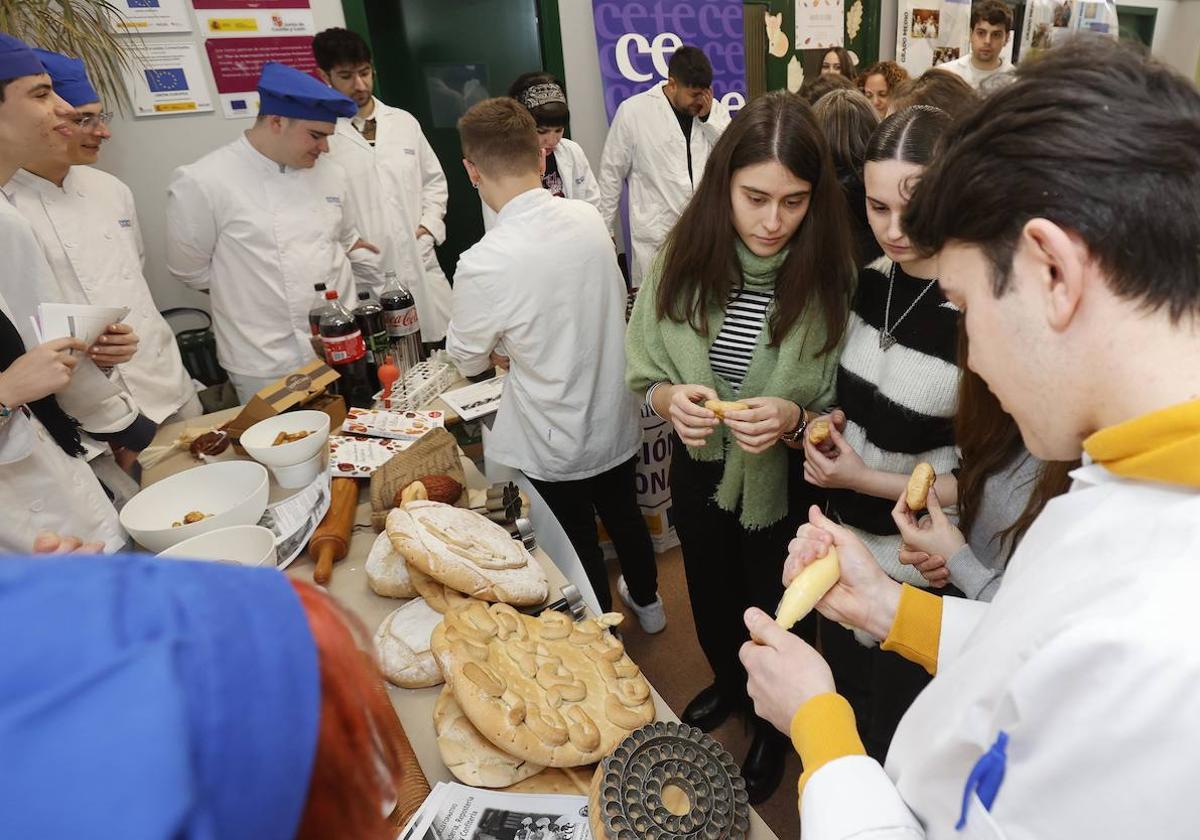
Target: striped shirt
<point>745,318</point>
<point>899,404</point>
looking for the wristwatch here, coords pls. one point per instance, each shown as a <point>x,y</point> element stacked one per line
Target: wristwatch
<point>796,434</point>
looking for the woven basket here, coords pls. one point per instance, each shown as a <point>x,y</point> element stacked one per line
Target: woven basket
<point>434,454</point>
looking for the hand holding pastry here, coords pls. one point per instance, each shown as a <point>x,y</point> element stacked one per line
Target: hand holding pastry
<point>935,536</point>
<point>679,404</point>
<point>844,469</point>
<point>863,596</point>
<point>759,425</point>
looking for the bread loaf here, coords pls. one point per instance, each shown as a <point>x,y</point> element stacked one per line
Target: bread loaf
<point>403,644</point>
<point>467,552</point>
<point>387,571</point>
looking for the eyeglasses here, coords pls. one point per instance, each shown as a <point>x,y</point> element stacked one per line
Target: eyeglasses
<point>90,120</point>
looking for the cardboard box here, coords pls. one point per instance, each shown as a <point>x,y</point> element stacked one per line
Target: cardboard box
<point>305,388</point>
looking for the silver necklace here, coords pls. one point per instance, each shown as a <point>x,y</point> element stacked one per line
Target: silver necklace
<point>887,336</point>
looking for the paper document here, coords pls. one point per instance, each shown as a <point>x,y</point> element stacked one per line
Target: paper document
<point>73,320</point>
<point>475,401</point>
<point>458,812</point>
<point>295,518</point>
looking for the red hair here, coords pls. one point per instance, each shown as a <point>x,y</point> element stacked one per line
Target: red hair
<point>359,760</point>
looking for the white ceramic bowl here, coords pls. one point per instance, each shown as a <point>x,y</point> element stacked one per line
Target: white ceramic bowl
<point>245,545</point>
<point>233,492</point>
<point>293,464</point>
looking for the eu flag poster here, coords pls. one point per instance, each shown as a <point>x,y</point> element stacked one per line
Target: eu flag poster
<point>168,79</point>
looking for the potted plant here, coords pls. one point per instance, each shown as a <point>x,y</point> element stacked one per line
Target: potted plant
<point>85,29</point>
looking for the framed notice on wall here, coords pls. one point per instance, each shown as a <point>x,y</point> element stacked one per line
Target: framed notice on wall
<point>167,80</point>
<point>151,16</point>
<point>820,24</point>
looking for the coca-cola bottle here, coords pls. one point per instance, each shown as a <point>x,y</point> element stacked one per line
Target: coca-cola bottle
<point>369,317</point>
<point>400,317</point>
<point>346,353</point>
<point>317,309</point>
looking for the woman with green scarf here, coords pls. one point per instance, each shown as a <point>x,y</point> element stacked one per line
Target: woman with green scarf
<point>747,303</point>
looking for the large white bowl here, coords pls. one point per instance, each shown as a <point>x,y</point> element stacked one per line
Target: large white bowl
<point>234,492</point>
<point>245,545</point>
<point>257,439</point>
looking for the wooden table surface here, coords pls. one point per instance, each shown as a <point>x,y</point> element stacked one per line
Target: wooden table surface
<point>349,585</point>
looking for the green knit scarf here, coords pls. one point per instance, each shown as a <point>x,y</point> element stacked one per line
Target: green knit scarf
<point>666,351</point>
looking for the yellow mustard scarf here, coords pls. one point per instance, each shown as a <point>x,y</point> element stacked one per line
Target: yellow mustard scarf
<point>1161,446</point>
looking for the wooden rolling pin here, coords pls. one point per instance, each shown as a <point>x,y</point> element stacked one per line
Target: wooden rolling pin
<point>331,540</point>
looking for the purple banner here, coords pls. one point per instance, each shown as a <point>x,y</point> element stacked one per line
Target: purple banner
<point>636,39</point>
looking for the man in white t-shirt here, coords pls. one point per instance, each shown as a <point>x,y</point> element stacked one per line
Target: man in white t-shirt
<point>991,29</point>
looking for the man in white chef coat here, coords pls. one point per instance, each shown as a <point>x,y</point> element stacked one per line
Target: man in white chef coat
<point>660,140</point>
<point>260,221</point>
<point>48,391</point>
<point>1067,707</point>
<point>397,184</point>
<point>87,224</point>
<point>566,418</point>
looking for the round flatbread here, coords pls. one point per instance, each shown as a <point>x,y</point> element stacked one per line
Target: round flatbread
<point>546,690</point>
<point>467,552</point>
<point>468,755</point>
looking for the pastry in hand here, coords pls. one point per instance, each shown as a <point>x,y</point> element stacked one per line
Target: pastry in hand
<point>919,483</point>
<point>720,407</point>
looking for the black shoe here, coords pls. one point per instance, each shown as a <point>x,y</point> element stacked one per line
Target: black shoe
<point>708,709</point>
<point>763,767</point>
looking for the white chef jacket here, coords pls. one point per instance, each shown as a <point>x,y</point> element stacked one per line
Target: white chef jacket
<point>1086,659</point>
<point>42,488</point>
<point>646,145</point>
<point>88,229</point>
<point>577,178</point>
<point>258,237</point>
<point>544,284</point>
<point>396,186</point>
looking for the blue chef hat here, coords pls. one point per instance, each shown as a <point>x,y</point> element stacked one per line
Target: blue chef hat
<point>148,699</point>
<point>17,59</point>
<point>287,92</point>
<point>70,78</point>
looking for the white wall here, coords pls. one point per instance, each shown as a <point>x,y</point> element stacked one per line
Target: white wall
<point>1176,32</point>
<point>144,152</point>
<point>589,124</point>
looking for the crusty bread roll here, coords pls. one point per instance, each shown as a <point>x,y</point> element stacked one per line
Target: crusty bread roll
<point>467,552</point>
<point>387,572</point>
<point>473,759</point>
<point>547,690</point>
<point>403,644</point>
<point>719,407</point>
<point>919,483</point>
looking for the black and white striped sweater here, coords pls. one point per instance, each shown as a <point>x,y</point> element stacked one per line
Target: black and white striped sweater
<point>899,404</point>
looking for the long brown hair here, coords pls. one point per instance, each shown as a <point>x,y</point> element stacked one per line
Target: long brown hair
<point>990,443</point>
<point>700,266</point>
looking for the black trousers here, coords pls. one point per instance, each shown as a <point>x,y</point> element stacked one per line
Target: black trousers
<point>729,568</point>
<point>879,685</point>
<point>613,496</point>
